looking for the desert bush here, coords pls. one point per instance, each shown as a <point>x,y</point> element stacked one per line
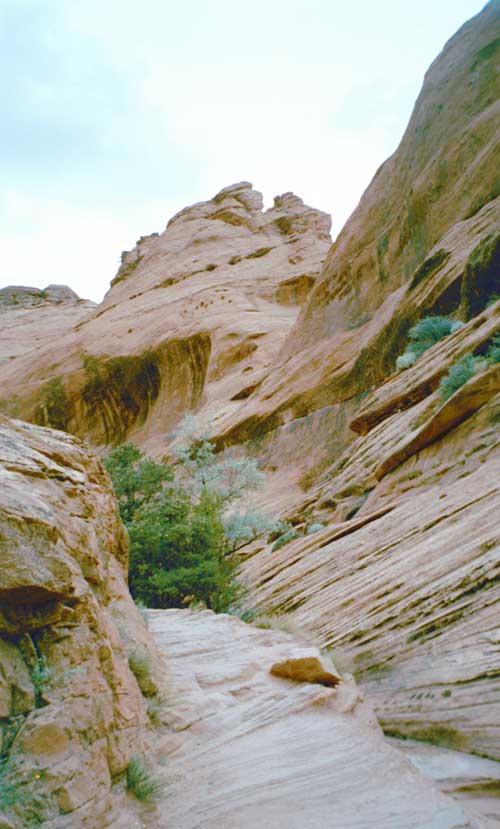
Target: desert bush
<point>315,528</point>
<point>199,467</point>
<point>423,336</point>
<point>493,353</point>
<point>243,527</point>
<point>181,527</point>
<point>136,479</point>
<point>140,781</point>
<point>285,538</point>
<point>459,373</point>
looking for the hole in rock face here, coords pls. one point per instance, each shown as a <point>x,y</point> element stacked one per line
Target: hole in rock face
<point>481,280</point>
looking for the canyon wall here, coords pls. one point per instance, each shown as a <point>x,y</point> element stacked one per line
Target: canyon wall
<point>288,346</point>
<point>72,713</point>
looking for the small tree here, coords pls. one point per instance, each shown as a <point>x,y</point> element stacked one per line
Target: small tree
<point>182,532</point>
<point>200,467</point>
<point>229,479</point>
<point>136,479</point>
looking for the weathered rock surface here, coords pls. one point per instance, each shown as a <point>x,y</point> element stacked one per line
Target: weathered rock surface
<point>71,712</point>
<point>32,319</point>
<point>473,781</point>
<point>425,239</point>
<point>251,749</point>
<point>194,318</point>
<point>224,313</point>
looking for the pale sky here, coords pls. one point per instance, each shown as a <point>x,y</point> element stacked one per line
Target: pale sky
<point>118,113</point>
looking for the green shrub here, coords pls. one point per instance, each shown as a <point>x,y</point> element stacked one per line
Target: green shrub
<point>179,552</point>
<point>290,535</point>
<point>459,373</point>
<point>493,353</point>
<point>136,479</point>
<point>423,336</point>
<point>406,360</point>
<point>315,528</point>
<point>140,781</point>
<point>182,538</point>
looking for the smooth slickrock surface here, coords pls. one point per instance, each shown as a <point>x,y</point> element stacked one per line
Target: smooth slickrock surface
<point>473,781</point>
<point>254,750</point>
<point>64,609</point>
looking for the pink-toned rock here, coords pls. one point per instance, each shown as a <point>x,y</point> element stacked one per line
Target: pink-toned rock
<point>261,750</point>
<point>72,711</point>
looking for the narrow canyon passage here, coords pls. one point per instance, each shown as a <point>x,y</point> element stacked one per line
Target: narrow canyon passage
<point>244,748</point>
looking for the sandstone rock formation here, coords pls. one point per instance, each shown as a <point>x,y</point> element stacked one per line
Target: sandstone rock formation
<point>234,313</point>
<point>31,319</point>
<point>71,712</point>
<point>250,749</point>
<point>194,317</point>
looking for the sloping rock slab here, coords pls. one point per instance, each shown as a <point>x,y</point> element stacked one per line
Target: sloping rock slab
<point>253,749</point>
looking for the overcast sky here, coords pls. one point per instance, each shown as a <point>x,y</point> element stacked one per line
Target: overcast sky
<point>118,113</point>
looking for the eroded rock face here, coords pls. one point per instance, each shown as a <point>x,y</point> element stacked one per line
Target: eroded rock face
<point>253,749</point>
<point>194,318</point>
<point>224,313</point>
<point>71,710</point>
<point>31,318</point>
<point>425,239</point>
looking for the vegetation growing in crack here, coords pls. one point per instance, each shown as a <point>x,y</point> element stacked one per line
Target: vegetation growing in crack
<point>141,782</point>
<point>459,373</point>
<point>462,371</point>
<point>423,336</point>
<point>21,796</point>
<point>183,528</point>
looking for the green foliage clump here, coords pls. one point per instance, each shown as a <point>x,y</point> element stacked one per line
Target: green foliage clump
<point>493,353</point>
<point>136,479</point>
<point>315,528</point>
<point>423,336</point>
<point>459,373</point>
<point>140,781</point>
<point>20,796</point>
<point>9,788</point>
<point>285,538</point>
<point>182,531</point>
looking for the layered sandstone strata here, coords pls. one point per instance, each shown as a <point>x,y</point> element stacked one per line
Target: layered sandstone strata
<point>72,714</point>
<point>194,318</point>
